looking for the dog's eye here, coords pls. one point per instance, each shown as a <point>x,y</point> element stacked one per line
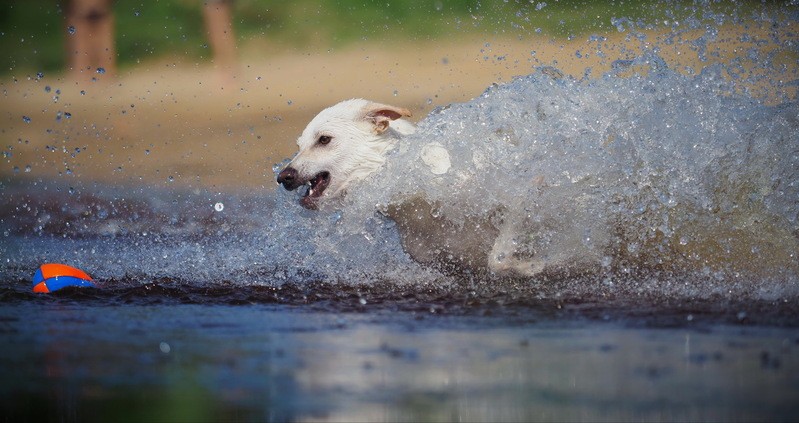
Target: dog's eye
<point>324,139</point>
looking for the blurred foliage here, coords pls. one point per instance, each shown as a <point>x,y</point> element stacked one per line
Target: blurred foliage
<point>32,32</point>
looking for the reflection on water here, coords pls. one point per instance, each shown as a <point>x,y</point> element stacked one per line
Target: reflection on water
<point>76,363</point>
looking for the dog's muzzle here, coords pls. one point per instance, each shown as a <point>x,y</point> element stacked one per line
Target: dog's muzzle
<point>289,179</point>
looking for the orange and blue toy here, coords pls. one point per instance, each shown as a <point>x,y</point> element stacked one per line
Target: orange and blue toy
<point>53,276</point>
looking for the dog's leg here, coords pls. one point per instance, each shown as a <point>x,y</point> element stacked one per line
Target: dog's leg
<point>432,239</point>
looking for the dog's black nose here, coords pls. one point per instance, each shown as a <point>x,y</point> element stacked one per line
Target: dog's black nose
<point>288,178</point>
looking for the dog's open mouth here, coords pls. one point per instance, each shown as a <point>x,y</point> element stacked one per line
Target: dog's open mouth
<point>316,187</point>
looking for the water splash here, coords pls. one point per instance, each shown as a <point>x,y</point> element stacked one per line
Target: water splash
<point>623,168</point>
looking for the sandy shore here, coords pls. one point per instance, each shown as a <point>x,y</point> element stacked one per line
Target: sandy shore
<point>171,122</point>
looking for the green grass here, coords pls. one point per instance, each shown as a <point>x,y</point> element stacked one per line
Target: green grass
<point>32,32</point>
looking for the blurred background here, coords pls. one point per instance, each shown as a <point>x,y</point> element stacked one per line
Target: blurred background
<point>212,94</point>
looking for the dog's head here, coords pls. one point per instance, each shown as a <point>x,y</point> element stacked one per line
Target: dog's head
<point>343,143</point>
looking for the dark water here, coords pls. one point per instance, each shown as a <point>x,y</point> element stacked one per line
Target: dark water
<point>164,351</point>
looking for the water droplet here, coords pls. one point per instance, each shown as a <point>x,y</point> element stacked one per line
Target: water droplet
<point>290,102</point>
<point>396,93</point>
<point>67,115</point>
<point>82,92</point>
<point>101,70</point>
<point>27,168</point>
<point>683,240</point>
<point>47,89</point>
<point>39,75</point>
<point>71,30</point>
<point>219,207</point>
<point>164,347</point>
<point>26,119</point>
<point>362,301</point>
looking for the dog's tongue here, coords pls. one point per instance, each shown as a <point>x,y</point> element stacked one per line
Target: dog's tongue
<point>316,188</point>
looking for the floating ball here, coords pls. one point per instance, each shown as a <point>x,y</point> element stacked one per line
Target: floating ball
<point>52,277</point>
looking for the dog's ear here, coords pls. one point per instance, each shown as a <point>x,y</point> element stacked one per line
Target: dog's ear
<point>381,115</point>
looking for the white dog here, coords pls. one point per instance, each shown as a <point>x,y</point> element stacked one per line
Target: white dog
<point>348,142</point>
